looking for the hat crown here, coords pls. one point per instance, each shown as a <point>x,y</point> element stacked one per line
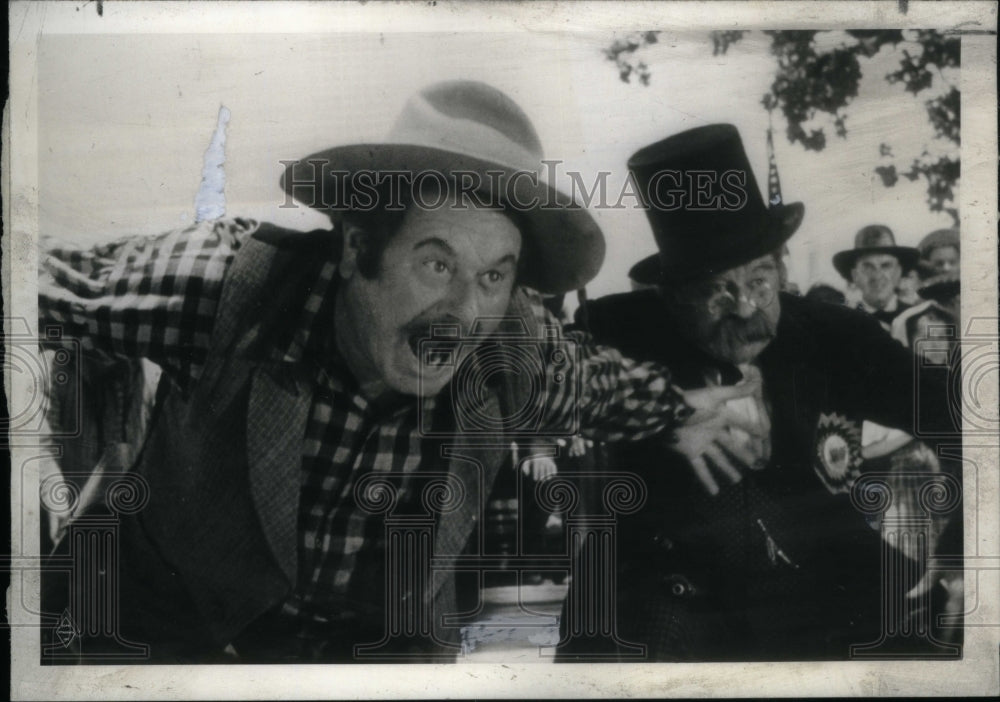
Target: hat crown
<point>719,143</point>
<point>874,236</point>
<point>703,203</point>
<point>874,239</point>
<point>471,118</point>
<point>456,130</point>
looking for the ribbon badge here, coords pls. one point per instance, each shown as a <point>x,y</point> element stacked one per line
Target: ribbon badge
<point>838,451</point>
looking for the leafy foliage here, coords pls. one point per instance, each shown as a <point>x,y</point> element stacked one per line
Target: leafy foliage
<point>811,81</point>
<point>621,49</point>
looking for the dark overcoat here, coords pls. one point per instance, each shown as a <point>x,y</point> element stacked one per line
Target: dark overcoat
<point>788,563</point>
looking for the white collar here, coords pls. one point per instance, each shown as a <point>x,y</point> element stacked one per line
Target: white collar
<point>891,307</point>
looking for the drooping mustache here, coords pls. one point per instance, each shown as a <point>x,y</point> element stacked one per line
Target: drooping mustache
<point>733,332</point>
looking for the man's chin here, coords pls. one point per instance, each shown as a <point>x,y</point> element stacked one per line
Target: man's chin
<point>430,385</point>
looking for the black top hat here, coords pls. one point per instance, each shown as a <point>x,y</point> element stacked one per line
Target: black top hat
<point>704,206</point>
<point>874,239</point>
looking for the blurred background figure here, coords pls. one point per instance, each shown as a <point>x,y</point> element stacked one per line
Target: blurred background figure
<point>931,327</point>
<point>875,266</point>
<point>940,250</point>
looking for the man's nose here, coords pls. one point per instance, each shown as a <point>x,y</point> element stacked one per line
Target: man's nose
<point>745,307</point>
<point>462,302</point>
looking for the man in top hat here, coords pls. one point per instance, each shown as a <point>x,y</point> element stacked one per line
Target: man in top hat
<point>876,265</point>
<point>324,388</point>
<point>767,548</point>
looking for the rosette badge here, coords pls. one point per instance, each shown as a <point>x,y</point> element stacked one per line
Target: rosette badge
<point>838,451</point>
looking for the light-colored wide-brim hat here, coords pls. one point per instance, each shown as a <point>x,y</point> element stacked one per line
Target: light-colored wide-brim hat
<point>458,127</point>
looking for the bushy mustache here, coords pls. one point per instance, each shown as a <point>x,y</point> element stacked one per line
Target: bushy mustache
<point>734,332</point>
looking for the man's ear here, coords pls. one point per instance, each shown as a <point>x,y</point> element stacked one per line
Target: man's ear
<point>782,274</point>
<point>353,243</point>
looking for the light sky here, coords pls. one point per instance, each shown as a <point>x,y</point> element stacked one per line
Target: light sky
<point>124,122</point>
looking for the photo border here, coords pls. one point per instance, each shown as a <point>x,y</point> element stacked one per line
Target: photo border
<point>975,674</point>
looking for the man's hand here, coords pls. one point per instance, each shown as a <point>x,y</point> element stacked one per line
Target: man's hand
<point>539,467</point>
<point>719,439</point>
<point>578,446</point>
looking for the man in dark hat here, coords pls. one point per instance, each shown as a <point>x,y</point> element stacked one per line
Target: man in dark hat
<point>876,266</point>
<point>322,388</point>
<point>769,548</point>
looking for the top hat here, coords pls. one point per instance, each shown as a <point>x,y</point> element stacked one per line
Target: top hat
<point>703,203</point>
<point>472,127</point>
<point>874,239</point>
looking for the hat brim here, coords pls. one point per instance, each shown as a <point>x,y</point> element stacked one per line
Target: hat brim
<point>647,271</point>
<point>777,227</point>
<point>844,261</point>
<point>562,246</point>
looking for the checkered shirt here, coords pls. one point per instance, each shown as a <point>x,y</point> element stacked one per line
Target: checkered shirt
<point>157,298</point>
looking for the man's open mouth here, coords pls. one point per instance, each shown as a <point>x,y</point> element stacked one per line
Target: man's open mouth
<point>433,353</point>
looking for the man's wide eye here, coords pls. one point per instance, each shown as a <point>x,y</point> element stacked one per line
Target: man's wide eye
<point>494,277</point>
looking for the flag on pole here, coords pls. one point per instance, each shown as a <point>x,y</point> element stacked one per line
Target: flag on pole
<point>773,183</point>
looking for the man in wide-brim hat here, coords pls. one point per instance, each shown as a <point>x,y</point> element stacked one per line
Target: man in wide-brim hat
<point>759,552</point>
<point>315,382</point>
<point>876,265</point>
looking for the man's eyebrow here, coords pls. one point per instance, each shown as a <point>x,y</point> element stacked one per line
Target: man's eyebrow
<point>509,258</point>
<point>435,241</point>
